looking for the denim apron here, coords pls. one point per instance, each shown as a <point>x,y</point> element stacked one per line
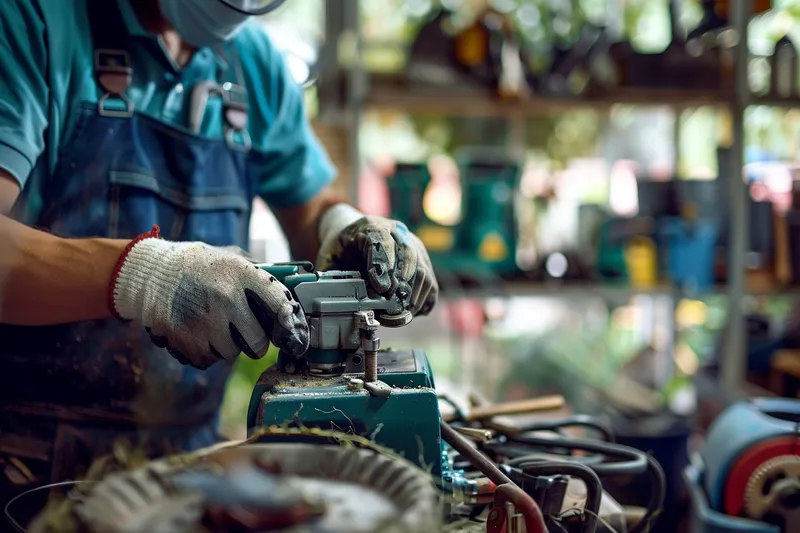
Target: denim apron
<point>70,392</point>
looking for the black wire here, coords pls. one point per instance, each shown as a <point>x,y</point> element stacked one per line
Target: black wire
<point>585,421</point>
<point>498,450</point>
<point>658,483</point>
<point>594,488</point>
<point>633,462</point>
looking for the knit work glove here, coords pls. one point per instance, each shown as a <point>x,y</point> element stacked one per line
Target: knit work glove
<point>392,260</point>
<point>204,304</point>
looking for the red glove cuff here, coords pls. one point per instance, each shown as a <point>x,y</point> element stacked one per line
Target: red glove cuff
<point>152,234</point>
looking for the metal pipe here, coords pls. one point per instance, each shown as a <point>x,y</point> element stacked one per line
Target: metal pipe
<point>733,362</point>
<point>475,457</point>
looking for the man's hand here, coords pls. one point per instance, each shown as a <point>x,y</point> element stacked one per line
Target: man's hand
<point>205,304</point>
<point>392,259</point>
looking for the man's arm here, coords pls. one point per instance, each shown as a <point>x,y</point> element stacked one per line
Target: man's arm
<point>48,280</point>
<point>301,224</point>
<point>43,279</point>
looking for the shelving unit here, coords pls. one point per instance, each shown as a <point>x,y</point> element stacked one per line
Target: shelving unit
<point>365,92</point>
<point>391,93</point>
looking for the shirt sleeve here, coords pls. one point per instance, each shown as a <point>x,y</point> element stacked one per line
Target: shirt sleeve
<point>291,164</point>
<point>24,91</point>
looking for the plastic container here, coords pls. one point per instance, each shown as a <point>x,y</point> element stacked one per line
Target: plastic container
<point>706,520</point>
<point>690,252</point>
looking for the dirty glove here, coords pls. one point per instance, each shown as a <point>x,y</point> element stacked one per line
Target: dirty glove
<point>391,258</point>
<point>204,304</point>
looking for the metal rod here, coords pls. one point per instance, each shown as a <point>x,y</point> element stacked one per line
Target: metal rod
<point>370,366</point>
<point>733,363</point>
<point>475,457</point>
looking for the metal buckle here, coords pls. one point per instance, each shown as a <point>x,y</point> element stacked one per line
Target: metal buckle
<point>230,139</point>
<point>234,103</point>
<point>114,75</point>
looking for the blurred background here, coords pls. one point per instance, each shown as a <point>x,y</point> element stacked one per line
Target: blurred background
<point>607,189</point>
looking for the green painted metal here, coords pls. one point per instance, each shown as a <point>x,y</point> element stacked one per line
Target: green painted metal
<point>325,356</point>
<point>407,421</point>
<point>290,274</point>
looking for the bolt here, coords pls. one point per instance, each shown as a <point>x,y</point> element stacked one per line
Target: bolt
<point>370,366</point>
<point>355,384</point>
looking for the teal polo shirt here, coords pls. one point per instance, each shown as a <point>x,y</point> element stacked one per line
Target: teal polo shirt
<point>46,70</point>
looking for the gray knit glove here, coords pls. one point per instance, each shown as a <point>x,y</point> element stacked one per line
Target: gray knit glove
<point>392,259</point>
<point>204,304</point>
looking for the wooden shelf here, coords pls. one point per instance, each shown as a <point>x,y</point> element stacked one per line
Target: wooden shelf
<point>391,93</point>
<point>574,290</point>
<point>775,102</point>
<point>588,289</point>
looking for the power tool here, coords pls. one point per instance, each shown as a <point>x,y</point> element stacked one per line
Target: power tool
<point>748,475</point>
<point>345,382</point>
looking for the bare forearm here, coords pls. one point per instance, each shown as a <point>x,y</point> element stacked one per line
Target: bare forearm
<point>301,225</point>
<point>49,280</point>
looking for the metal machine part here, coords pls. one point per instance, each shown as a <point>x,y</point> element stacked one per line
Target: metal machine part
<point>406,421</point>
<point>342,317</point>
<point>294,487</point>
<point>748,475</point>
<point>774,489</point>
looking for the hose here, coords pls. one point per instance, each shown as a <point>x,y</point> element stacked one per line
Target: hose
<point>633,463</point>
<point>594,488</point>
<point>638,462</point>
<point>534,521</point>
<point>585,421</point>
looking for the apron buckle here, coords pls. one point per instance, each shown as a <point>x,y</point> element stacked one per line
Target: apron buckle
<point>234,102</point>
<point>114,75</point>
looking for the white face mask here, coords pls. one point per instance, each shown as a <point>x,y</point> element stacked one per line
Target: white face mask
<point>205,22</point>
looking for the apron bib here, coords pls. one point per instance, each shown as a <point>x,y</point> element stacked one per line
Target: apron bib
<point>70,391</point>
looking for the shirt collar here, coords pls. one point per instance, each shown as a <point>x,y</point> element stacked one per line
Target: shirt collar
<point>137,31</point>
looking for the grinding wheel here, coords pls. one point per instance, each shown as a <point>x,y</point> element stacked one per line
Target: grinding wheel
<point>297,488</point>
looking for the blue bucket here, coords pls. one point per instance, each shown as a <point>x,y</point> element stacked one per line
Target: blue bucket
<point>691,251</point>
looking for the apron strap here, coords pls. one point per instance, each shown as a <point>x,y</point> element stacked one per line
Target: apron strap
<point>112,62</point>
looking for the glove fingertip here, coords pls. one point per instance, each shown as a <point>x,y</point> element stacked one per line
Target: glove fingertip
<point>260,311</point>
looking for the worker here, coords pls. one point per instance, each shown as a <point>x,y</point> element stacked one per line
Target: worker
<point>134,136</point>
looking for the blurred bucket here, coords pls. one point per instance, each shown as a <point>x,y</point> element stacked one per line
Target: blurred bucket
<point>690,251</point>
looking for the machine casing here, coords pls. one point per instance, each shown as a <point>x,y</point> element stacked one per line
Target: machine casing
<point>738,430</point>
<point>406,421</point>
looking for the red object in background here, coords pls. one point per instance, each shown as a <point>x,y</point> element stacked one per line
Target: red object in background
<point>373,192</point>
<point>466,317</point>
<point>747,463</point>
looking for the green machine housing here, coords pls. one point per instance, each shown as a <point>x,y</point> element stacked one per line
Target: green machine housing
<point>329,392</point>
<point>485,240</point>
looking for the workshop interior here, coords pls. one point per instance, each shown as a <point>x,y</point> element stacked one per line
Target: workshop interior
<point>609,191</point>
